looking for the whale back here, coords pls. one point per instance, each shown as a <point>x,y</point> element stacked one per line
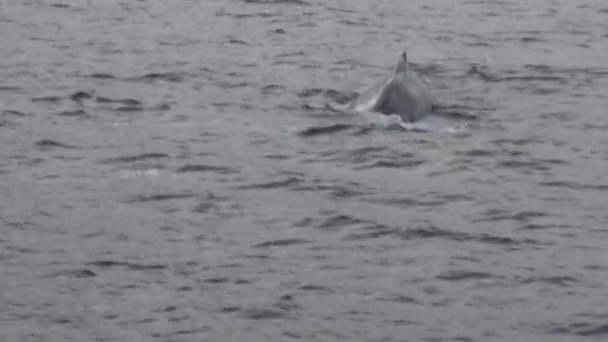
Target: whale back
<point>402,64</point>
<point>404,94</point>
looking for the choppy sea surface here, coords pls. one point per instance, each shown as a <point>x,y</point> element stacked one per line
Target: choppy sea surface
<point>170,171</point>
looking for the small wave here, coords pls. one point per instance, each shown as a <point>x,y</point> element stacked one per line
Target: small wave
<point>228,85</point>
<point>216,280</point>
<point>124,101</point>
<point>516,142</point>
<point>483,73</point>
<point>47,144</point>
<point>247,15</point>
<point>271,89</point>
<point>368,150</point>
<point>477,152</point>
<point>535,78</point>
<point>479,44</point>
<point>575,185</point>
<point>338,221</point>
<point>348,22</point>
<point>277,156</point>
<point>299,53</point>
<point>310,92</point>
<point>433,68</point>
<point>211,202</point>
<point>179,334</point>
<point>262,313</point>
<point>128,174</point>
<point>10,88</point>
<point>330,94</point>
<point>499,240</point>
<point>339,97</point>
<point>529,39</point>
<point>124,104</point>
<point>156,76</point>
<point>409,202</point>
<point>594,315</point>
<point>58,5</point>
<point>158,197</point>
<point>136,158</point>
<point>316,288</point>
<point>334,190</point>
<point>128,109</point>
<point>433,232</point>
<point>315,131</point>
<point>524,164</point>
<point>233,40</point>
<point>341,191</point>
<point>373,231</point>
<point>547,69</point>
<point>102,76</point>
<point>533,75</point>
<point>13,112</point>
<point>535,226</point>
<point>73,113</point>
<point>77,273</point>
<point>582,329</point>
<point>465,275</point>
<point>81,95</point>
<point>457,115</point>
<point>284,183</point>
<point>230,309</point>
<point>278,2</point>
<point>282,242</point>
<point>47,98</point>
<point>340,10</point>
<point>561,281</point>
<point>397,298</point>
<point>104,264</point>
<point>206,168</point>
<point>392,164</point>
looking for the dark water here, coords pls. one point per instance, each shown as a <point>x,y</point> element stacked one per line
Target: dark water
<point>169,172</point>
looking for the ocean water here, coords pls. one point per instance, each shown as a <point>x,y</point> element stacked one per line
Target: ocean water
<point>171,171</point>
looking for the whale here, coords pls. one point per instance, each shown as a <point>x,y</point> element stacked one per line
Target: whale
<point>402,94</point>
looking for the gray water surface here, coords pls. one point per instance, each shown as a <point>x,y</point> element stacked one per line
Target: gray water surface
<point>169,172</point>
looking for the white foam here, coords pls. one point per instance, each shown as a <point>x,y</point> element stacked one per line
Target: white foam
<point>394,121</point>
<point>138,173</point>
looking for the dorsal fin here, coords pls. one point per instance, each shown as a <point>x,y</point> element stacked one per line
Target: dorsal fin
<point>402,64</point>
